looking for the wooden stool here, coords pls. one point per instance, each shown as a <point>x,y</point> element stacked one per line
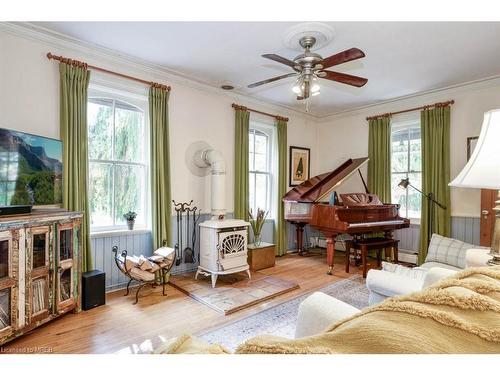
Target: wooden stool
<point>364,245</point>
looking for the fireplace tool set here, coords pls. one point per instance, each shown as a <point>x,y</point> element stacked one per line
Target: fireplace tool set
<point>186,229</point>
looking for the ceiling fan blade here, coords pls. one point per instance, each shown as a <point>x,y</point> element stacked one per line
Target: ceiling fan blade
<point>342,57</point>
<point>269,80</point>
<point>344,78</point>
<point>282,60</point>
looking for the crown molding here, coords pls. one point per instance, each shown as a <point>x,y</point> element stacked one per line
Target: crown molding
<point>116,59</point>
<point>371,109</point>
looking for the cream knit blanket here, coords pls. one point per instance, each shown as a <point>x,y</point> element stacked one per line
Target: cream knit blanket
<point>460,314</point>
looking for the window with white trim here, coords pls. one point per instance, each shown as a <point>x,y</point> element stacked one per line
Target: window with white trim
<point>406,162</point>
<point>261,167</point>
<point>118,167</point>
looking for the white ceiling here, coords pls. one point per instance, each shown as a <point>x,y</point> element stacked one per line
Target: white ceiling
<point>402,58</point>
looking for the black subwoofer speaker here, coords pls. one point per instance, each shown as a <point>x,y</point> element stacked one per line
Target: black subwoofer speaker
<point>93,289</point>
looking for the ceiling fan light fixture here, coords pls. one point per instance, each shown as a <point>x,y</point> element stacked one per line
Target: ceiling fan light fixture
<point>299,86</point>
<point>315,88</point>
<point>309,67</point>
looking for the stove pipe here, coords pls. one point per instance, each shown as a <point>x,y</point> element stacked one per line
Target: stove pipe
<point>214,159</point>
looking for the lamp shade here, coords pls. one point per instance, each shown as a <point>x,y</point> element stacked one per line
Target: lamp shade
<point>482,171</point>
<point>404,183</point>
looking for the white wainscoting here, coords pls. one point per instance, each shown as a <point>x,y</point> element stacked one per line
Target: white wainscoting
<point>140,242</point>
<point>462,228</point>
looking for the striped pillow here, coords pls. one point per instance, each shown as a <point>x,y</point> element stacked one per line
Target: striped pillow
<point>412,273</point>
<point>449,251</point>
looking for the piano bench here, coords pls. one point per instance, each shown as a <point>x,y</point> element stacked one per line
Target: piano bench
<point>364,245</point>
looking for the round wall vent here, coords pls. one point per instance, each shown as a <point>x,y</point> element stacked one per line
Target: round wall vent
<point>322,32</point>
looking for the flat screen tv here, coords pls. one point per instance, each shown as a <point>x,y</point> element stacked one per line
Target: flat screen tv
<point>30,169</point>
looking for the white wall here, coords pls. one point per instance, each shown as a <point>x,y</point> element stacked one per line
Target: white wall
<point>29,102</point>
<point>345,136</point>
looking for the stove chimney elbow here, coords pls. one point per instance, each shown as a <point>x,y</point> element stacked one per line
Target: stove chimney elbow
<point>217,163</point>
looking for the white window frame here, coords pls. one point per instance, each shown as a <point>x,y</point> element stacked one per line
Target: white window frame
<point>140,102</point>
<point>270,131</point>
<point>406,123</point>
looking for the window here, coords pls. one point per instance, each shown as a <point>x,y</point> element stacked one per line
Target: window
<point>261,167</point>
<point>406,162</point>
<point>118,173</point>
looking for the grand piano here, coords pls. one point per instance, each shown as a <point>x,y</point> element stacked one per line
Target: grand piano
<point>361,213</point>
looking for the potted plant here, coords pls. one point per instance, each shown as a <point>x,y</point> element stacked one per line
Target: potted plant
<point>130,217</point>
<point>257,222</point>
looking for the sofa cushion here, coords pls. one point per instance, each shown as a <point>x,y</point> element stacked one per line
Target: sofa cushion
<point>429,265</point>
<point>436,274</point>
<point>448,251</point>
<point>392,284</point>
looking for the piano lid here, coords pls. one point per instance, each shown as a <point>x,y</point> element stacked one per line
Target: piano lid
<point>318,187</point>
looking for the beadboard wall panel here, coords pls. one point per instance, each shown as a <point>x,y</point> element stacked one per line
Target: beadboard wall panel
<point>462,228</point>
<point>135,244</point>
<point>142,243</point>
<point>466,229</point>
<point>408,238</point>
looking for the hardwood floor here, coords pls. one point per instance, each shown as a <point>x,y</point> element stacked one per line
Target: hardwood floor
<point>120,326</point>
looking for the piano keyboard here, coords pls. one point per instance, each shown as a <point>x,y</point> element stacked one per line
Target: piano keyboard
<point>375,223</point>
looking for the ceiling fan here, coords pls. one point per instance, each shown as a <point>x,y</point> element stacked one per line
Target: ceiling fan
<point>310,66</point>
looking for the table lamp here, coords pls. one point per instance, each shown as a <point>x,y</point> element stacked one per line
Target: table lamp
<point>482,171</point>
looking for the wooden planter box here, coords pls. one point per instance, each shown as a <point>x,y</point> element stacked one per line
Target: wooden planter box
<point>261,257</point>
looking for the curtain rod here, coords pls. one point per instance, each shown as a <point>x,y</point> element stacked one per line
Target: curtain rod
<point>389,114</point>
<point>237,106</point>
<point>66,60</point>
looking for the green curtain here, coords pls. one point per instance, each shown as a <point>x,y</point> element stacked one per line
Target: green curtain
<point>160,167</point>
<point>435,125</point>
<point>74,83</point>
<point>241,167</point>
<point>280,235</point>
<point>379,153</point>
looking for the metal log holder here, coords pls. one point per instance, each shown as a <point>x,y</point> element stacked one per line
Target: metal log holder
<point>186,254</point>
<point>121,263</point>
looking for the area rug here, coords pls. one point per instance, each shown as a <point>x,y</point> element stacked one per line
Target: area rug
<point>281,320</point>
<point>232,292</point>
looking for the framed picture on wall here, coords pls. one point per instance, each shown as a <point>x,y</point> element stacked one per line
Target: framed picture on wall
<point>471,145</point>
<point>300,165</point>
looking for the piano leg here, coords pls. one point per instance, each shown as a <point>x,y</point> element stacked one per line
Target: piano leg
<point>330,253</point>
<point>299,232</point>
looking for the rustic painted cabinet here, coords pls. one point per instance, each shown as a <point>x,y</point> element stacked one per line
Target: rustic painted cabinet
<point>40,269</point>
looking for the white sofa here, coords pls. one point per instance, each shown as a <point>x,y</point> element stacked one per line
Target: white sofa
<point>383,284</point>
<point>445,256</point>
<point>319,311</point>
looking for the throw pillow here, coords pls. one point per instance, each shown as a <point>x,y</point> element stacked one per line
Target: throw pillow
<point>449,251</point>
